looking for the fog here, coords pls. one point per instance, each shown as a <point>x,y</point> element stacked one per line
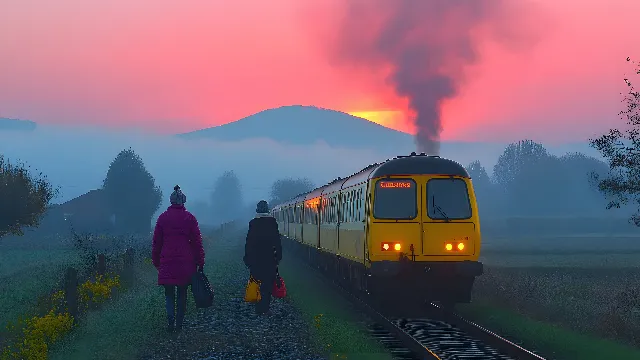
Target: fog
<point>76,160</point>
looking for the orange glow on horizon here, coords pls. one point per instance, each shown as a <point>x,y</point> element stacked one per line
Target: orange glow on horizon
<point>393,119</point>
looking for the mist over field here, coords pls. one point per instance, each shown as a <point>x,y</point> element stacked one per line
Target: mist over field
<point>76,159</point>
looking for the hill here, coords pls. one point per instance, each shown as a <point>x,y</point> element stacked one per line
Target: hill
<point>16,125</point>
<point>302,125</point>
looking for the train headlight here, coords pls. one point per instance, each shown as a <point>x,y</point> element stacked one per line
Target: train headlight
<point>449,247</point>
<point>460,246</point>
<point>388,246</point>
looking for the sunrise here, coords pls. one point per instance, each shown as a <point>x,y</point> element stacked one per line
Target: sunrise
<point>319,179</point>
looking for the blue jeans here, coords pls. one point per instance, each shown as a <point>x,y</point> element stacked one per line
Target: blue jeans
<point>175,318</point>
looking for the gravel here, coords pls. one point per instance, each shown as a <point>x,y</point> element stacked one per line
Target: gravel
<point>230,329</point>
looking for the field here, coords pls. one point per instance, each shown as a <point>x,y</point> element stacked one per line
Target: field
<point>583,291</point>
<point>27,273</point>
<point>587,284</point>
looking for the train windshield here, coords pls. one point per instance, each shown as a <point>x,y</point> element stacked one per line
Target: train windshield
<point>448,199</point>
<point>395,199</point>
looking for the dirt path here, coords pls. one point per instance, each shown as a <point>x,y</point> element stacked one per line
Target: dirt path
<point>230,329</point>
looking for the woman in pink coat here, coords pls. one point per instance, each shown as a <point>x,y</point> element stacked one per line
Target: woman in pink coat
<point>177,254</point>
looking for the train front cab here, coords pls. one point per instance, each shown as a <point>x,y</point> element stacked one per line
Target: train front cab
<point>424,236</point>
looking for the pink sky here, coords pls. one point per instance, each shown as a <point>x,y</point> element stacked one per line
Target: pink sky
<point>173,66</point>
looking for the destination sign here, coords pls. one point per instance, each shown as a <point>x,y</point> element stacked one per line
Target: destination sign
<point>395,184</point>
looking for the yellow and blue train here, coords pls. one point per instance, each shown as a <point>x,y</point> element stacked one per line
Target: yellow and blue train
<point>407,225</point>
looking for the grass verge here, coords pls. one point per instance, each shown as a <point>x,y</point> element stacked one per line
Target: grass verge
<point>24,279</point>
<point>122,326</point>
<point>551,340</point>
<point>338,331</point>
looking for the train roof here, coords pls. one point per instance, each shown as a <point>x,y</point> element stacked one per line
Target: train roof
<point>413,164</point>
<point>419,165</point>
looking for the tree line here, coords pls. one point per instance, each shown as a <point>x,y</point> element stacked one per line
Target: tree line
<point>526,181</point>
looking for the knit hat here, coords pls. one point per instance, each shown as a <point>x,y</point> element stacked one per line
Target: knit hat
<point>177,197</point>
<point>262,207</point>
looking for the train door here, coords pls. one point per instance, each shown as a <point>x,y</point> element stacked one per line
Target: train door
<point>395,223</point>
<point>447,217</point>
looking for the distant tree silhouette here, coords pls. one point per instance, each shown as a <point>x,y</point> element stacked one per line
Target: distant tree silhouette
<point>621,149</point>
<point>285,189</point>
<point>484,188</point>
<point>226,198</point>
<point>131,192</point>
<point>478,174</point>
<point>24,197</point>
<point>515,158</point>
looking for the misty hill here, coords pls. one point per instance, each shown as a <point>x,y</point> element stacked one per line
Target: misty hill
<point>304,125</point>
<point>16,125</point>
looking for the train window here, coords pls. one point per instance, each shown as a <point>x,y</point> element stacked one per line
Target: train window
<point>327,211</point>
<point>336,210</point>
<point>347,205</point>
<point>448,199</point>
<point>356,206</point>
<point>331,203</point>
<point>395,199</point>
<point>359,204</point>
<point>347,199</point>
<point>352,208</point>
<point>315,213</point>
<point>334,215</point>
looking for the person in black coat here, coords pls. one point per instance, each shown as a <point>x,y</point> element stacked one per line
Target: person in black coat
<point>263,252</point>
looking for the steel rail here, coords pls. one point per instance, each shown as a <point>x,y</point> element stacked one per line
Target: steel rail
<point>489,337</point>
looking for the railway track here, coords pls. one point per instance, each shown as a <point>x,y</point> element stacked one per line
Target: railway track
<point>441,335</point>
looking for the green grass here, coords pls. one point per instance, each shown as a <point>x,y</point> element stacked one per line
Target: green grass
<point>335,327</point>
<point>119,329</point>
<point>551,340</point>
<point>26,276</point>
<point>17,261</point>
<point>123,327</point>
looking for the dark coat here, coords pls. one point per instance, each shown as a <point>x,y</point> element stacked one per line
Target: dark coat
<point>177,246</point>
<point>263,248</point>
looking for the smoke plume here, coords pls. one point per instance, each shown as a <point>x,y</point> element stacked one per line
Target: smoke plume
<point>424,44</point>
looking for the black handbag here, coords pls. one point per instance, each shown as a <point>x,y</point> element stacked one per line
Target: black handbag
<point>202,290</point>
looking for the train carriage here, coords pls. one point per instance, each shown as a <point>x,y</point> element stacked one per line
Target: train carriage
<point>408,225</point>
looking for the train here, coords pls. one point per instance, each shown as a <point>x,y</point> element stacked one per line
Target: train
<point>405,227</point>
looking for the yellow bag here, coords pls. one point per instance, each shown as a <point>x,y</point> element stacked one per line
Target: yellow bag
<point>252,291</point>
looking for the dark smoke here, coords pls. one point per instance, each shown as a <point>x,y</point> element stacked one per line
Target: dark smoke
<point>427,43</point>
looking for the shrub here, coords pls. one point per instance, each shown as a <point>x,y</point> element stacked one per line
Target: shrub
<point>38,334</point>
<point>98,291</point>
